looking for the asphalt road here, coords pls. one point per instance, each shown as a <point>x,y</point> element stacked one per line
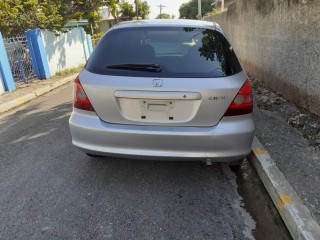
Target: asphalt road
<point>51,190</point>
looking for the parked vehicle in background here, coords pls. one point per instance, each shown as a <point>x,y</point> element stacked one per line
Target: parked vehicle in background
<point>164,89</point>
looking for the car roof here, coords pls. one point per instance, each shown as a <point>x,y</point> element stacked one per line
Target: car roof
<point>168,23</point>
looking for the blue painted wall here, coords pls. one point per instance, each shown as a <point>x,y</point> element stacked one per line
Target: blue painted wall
<point>34,36</point>
<point>89,43</point>
<point>5,69</point>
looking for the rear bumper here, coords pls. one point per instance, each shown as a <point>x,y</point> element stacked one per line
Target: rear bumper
<point>229,140</point>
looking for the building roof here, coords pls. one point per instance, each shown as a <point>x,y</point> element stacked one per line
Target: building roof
<point>75,23</point>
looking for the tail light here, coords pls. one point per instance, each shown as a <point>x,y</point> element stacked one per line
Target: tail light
<point>81,100</point>
<point>243,102</point>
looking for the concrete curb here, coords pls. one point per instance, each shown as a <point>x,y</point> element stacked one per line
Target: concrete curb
<point>26,98</point>
<point>294,213</point>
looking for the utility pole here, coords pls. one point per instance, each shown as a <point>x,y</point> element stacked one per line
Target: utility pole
<point>136,2</point>
<point>222,5</point>
<point>161,6</point>
<point>199,16</point>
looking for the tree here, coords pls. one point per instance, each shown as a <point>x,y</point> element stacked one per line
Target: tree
<point>87,9</point>
<point>113,6</point>
<point>143,9</point>
<point>163,16</point>
<point>126,9</point>
<point>189,10</point>
<point>74,8</point>
<point>17,16</point>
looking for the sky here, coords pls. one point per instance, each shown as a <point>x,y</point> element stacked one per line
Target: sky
<point>171,7</point>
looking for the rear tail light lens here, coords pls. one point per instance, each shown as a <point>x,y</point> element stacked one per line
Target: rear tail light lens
<point>243,102</point>
<point>81,100</point>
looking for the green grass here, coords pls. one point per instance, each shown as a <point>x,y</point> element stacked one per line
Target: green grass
<point>307,134</point>
<point>216,11</point>
<point>69,71</point>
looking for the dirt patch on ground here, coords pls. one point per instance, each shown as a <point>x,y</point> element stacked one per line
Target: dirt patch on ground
<point>306,123</point>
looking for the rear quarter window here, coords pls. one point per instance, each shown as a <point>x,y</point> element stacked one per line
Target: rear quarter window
<point>181,53</point>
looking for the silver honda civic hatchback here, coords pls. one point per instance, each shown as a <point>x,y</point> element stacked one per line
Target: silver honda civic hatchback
<point>164,89</point>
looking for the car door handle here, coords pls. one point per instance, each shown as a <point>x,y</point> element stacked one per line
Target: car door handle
<point>158,95</point>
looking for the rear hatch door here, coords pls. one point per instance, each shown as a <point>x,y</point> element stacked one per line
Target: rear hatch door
<point>178,102</point>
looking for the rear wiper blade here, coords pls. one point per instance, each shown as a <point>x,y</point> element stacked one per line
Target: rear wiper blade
<point>137,67</point>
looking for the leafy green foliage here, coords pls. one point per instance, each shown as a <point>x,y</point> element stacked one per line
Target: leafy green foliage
<point>113,6</point>
<point>97,35</point>
<point>126,9</point>
<point>86,9</point>
<point>143,9</point>
<point>17,16</point>
<point>163,16</point>
<point>189,10</point>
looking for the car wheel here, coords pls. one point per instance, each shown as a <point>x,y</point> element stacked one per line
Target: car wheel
<point>236,163</point>
<point>93,155</point>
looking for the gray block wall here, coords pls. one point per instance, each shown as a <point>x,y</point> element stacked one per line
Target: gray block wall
<point>278,43</point>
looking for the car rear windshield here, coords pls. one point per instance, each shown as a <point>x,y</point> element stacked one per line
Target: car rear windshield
<point>164,52</point>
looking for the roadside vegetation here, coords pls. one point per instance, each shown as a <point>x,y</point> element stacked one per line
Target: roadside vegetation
<point>17,16</point>
<point>306,123</point>
<point>97,35</point>
<point>69,71</point>
<point>189,10</point>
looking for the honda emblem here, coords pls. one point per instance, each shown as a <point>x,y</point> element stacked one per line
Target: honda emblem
<point>157,82</point>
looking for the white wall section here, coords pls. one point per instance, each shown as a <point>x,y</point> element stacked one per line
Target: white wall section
<point>1,85</point>
<point>65,50</point>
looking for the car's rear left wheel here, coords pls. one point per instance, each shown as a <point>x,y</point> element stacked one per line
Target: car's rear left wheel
<point>236,163</point>
<point>93,155</point>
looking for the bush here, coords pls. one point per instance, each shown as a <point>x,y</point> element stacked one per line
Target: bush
<point>97,35</point>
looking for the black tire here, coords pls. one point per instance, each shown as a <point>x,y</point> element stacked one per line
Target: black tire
<point>93,155</point>
<point>236,163</point>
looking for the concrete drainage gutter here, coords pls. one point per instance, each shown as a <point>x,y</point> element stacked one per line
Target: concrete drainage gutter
<point>294,213</point>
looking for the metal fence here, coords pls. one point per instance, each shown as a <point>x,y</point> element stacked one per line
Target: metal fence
<point>21,59</point>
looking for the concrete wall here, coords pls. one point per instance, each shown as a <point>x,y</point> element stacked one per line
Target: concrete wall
<point>278,42</point>
<point>227,3</point>
<point>66,50</point>
<point>105,25</point>
<point>7,81</point>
